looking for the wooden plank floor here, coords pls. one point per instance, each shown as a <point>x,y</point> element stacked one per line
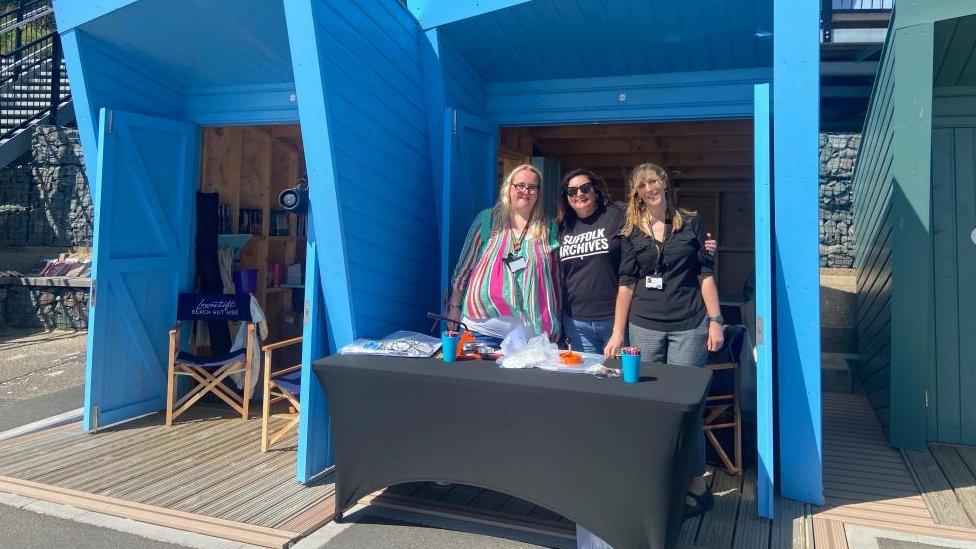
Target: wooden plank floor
<point>732,523</point>
<point>206,465</point>
<point>947,475</point>
<point>208,468</point>
<point>867,483</point>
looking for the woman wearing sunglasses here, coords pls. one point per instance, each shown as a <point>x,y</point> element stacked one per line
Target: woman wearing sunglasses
<point>589,251</point>
<point>507,272</point>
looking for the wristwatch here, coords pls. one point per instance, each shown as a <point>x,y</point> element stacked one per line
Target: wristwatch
<point>717,318</point>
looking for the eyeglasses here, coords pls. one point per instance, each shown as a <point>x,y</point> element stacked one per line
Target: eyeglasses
<point>585,188</point>
<point>522,188</point>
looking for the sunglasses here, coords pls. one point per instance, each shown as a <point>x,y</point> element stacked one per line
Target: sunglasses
<point>585,188</point>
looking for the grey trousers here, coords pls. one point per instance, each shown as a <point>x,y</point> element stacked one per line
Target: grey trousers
<point>681,348</point>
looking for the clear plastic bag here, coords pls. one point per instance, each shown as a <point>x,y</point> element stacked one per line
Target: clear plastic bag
<point>538,351</point>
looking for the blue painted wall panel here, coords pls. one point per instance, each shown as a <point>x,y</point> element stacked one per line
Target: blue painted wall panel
<point>376,129</point>
<point>797,288</point>
<point>179,42</point>
<point>464,87</point>
<point>554,39</point>
<point>314,441</point>
<point>110,80</point>
<point>687,96</point>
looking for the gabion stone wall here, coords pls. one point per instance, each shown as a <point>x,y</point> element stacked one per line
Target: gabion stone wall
<point>50,308</point>
<point>15,185</point>
<point>838,153</point>
<point>61,213</point>
<point>44,200</point>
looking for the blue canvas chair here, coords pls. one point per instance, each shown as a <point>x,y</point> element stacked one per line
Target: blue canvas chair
<point>209,373</point>
<point>285,384</point>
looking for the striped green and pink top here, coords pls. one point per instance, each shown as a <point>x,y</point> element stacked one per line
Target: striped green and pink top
<point>492,290</point>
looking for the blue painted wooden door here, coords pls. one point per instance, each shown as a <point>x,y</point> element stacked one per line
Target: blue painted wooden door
<point>766,470</point>
<point>145,181</point>
<point>470,152</point>
<point>314,440</point>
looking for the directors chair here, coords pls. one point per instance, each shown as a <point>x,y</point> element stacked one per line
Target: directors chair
<point>209,373</point>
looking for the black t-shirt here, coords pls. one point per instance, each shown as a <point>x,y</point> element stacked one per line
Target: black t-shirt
<point>679,305</point>
<point>589,253</point>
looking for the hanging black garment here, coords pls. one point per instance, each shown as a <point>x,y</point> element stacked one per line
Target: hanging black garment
<point>208,266</point>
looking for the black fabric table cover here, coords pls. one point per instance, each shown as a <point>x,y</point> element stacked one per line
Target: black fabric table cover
<point>613,457</point>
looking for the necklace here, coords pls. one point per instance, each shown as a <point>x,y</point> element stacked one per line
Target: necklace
<point>517,243</point>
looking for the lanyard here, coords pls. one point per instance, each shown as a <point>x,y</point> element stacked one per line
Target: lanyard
<point>662,263</point>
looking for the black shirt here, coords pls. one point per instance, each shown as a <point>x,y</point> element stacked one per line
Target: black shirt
<point>679,305</point>
<point>589,252</point>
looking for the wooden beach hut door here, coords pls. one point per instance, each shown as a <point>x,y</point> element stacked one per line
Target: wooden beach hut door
<point>470,150</point>
<point>766,470</point>
<point>141,259</point>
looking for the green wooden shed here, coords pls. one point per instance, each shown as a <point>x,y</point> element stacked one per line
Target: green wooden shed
<point>915,215</point>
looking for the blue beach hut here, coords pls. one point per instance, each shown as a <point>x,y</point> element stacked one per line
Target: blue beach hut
<point>401,110</point>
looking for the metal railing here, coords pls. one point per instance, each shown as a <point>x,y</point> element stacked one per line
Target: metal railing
<point>31,66</point>
<point>830,7</point>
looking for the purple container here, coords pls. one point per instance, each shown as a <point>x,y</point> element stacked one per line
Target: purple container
<point>246,281</point>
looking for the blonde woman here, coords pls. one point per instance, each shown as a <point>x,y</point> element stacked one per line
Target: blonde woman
<point>506,274</point>
<point>668,298</point>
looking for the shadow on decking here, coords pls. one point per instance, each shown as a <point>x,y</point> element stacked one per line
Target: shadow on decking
<point>205,474</point>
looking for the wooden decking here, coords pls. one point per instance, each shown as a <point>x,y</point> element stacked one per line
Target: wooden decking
<point>867,484</point>
<point>205,474</point>
<point>947,475</point>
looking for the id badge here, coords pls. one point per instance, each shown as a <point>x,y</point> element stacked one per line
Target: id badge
<point>654,282</point>
<point>516,264</point>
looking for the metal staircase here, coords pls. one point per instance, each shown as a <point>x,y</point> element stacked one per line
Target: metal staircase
<point>33,82</point>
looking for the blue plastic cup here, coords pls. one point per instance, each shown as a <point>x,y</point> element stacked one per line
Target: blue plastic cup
<point>630,366</point>
<point>449,345</point>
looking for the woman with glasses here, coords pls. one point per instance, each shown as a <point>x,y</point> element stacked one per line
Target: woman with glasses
<point>589,251</point>
<point>506,274</point>
<point>668,298</point>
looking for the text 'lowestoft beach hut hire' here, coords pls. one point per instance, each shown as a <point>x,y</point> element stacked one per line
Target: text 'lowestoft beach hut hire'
<point>400,110</point>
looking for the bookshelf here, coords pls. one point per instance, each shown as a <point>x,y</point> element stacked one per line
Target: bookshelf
<point>248,166</point>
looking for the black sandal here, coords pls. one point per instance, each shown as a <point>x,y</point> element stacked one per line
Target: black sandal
<point>703,503</point>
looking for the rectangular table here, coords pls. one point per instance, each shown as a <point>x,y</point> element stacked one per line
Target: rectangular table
<point>610,456</point>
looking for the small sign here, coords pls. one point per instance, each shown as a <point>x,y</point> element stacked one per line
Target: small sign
<point>231,307</point>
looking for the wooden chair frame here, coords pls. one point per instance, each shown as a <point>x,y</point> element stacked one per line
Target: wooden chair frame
<point>207,381</point>
<point>274,393</point>
<point>723,412</point>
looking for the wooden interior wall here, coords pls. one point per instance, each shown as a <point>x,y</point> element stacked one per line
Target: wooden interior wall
<point>710,162</point>
<point>514,149</point>
<point>248,166</point>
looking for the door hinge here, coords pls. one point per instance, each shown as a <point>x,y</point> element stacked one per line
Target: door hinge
<point>926,398</point>
<point>306,314</point>
<point>94,418</point>
<point>108,122</point>
<point>760,329</point>
<point>454,121</point>
<point>93,293</point>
